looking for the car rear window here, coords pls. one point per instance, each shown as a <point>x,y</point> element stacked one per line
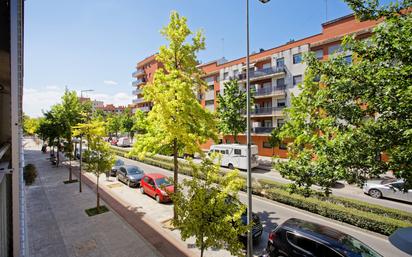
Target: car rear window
<point>301,242</point>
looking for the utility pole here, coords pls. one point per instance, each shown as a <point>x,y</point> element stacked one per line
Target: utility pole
<point>81,144</point>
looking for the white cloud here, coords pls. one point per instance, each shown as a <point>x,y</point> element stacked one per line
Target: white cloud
<point>53,87</point>
<point>120,98</point>
<point>110,82</point>
<point>36,100</point>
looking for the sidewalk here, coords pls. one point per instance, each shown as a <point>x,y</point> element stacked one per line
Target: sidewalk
<point>57,224</point>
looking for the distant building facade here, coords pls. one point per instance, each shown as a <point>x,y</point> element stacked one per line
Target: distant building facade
<point>274,75</point>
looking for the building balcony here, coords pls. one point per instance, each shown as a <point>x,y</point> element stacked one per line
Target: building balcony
<point>270,92</point>
<point>137,73</point>
<point>144,108</point>
<point>263,73</point>
<point>210,95</point>
<point>139,82</point>
<point>139,100</point>
<point>266,111</point>
<point>137,91</point>
<point>262,130</point>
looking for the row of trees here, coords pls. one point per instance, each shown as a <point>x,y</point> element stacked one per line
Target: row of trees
<point>354,120</point>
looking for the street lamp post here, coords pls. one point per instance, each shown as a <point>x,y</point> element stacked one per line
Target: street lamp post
<point>81,143</point>
<point>248,139</point>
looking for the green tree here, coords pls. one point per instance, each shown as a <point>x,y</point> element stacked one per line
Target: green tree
<point>177,120</point>
<point>99,156</point>
<point>127,122</point>
<point>210,210</point>
<point>56,128</point>
<point>231,110</point>
<point>71,115</point>
<point>113,124</point>
<point>140,122</point>
<point>360,109</point>
<point>30,125</point>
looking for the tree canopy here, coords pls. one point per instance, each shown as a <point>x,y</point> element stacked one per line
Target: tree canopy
<point>359,111</point>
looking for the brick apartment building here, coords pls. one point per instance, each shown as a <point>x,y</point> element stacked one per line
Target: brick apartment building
<point>274,75</point>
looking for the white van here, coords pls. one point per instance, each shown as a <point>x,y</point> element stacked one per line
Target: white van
<point>235,155</point>
<point>123,142</point>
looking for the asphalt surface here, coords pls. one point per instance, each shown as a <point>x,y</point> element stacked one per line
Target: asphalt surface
<point>272,213</point>
<point>343,189</point>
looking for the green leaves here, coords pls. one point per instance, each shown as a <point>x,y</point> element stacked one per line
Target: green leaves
<point>176,113</point>
<point>210,210</point>
<point>358,112</point>
<point>230,109</point>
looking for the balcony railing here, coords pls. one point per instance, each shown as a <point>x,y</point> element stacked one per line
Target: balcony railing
<point>137,91</point>
<point>262,72</point>
<point>138,100</point>
<point>265,110</point>
<point>137,73</point>
<point>262,130</point>
<point>270,90</point>
<point>139,82</point>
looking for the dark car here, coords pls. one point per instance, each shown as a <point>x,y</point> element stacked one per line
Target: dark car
<point>131,175</point>
<point>116,166</point>
<point>257,228</point>
<point>300,238</point>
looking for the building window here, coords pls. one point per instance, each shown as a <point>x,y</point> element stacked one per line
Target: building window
<point>280,122</point>
<point>297,79</point>
<point>235,74</point>
<point>297,58</point>
<point>211,87</point>
<point>334,49</point>
<point>210,102</point>
<point>209,79</point>
<point>280,62</point>
<point>280,83</point>
<point>225,75</point>
<point>283,146</point>
<point>319,54</point>
<point>281,103</point>
<point>348,59</point>
<point>266,65</point>
<point>267,123</point>
<point>266,144</point>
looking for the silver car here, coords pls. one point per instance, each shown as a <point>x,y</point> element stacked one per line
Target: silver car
<point>388,189</point>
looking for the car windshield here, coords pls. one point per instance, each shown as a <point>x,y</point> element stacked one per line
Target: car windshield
<point>134,170</point>
<point>163,182</point>
<point>358,247</point>
<point>119,162</point>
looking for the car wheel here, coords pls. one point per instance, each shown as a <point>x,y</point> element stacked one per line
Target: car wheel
<point>375,193</point>
<point>230,166</point>
<point>142,190</point>
<point>117,177</point>
<point>128,183</point>
<point>158,198</point>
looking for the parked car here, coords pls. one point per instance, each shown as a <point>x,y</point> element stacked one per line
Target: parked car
<point>300,238</point>
<point>235,155</point>
<point>131,175</point>
<point>116,166</point>
<point>257,228</point>
<point>157,186</point>
<point>123,142</point>
<point>388,189</point>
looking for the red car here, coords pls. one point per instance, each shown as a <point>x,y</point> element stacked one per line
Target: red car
<point>158,186</point>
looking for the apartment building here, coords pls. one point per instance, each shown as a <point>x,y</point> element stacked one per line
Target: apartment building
<point>274,77</point>
<point>144,73</point>
<point>12,201</point>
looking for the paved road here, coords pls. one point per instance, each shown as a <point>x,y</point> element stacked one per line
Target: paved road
<point>272,213</point>
<point>344,190</point>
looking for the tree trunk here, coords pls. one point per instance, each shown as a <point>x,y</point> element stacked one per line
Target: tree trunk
<point>58,153</point>
<point>97,196</point>
<point>175,174</point>
<point>70,167</point>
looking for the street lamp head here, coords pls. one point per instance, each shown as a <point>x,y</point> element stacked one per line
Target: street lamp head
<point>264,1</point>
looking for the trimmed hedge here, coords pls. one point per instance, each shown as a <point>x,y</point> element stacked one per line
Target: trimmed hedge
<point>361,214</point>
<point>347,202</point>
<point>370,221</point>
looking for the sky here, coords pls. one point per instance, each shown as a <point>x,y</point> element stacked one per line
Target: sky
<point>95,44</point>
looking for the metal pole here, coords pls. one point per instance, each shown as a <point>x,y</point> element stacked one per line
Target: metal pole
<point>80,166</point>
<point>249,170</point>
